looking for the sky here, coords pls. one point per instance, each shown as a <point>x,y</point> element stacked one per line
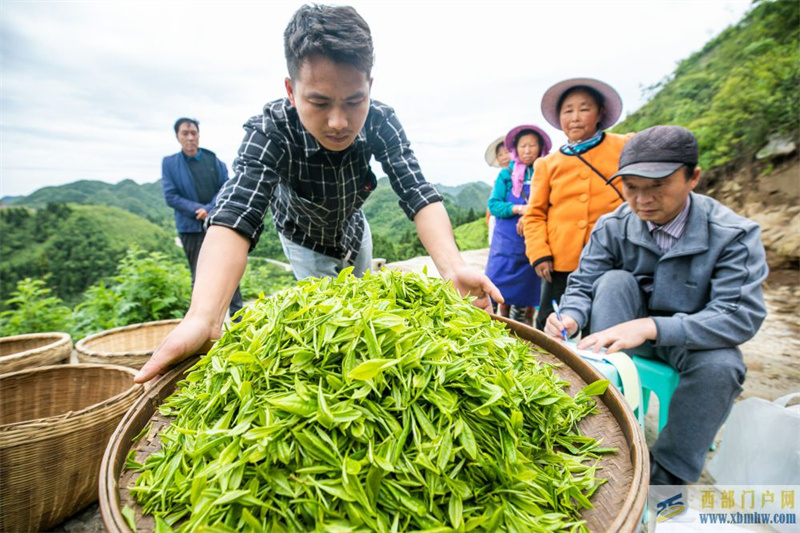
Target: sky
<point>91,89</point>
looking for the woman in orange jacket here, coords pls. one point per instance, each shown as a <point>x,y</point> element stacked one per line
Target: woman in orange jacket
<point>572,187</point>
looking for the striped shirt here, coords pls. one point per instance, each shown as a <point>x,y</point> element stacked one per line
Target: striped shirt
<point>316,195</point>
<point>666,235</point>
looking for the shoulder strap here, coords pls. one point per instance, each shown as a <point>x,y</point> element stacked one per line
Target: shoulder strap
<point>607,181</point>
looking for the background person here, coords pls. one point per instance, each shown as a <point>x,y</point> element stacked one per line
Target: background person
<point>306,159</point>
<point>508,267</point>
<point>496,156</point>
<point>190,181</point>
<point>572,187</point>
<point>677,276</point>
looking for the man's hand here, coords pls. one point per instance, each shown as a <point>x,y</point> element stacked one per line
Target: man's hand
<point>471,282</point>
<point>554,326</point>
<point>626,335</point>
<point>190,337</point>
<point>201,213</point>
<point>520,227</point>
<point>544,269</point>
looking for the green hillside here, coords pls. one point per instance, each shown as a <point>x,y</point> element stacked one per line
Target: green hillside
<point>76,234</point>
<point>736,92</point>
<point>473,235</point>
<point>74,245</point>
<point>394,235</point>
<point>145,200</point>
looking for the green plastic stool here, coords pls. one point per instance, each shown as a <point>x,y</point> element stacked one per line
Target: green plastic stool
<point>659,378</point>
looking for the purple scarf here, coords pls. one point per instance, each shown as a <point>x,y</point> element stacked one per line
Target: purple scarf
<point>517,174</point>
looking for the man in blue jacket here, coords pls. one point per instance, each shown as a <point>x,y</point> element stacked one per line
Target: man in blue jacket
<point>191,180</point>
<point>677,276</point>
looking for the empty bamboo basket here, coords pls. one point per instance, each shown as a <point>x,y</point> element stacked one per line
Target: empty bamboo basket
<point>129,346</point>
<point>55,422</point>
<point>35,349</point>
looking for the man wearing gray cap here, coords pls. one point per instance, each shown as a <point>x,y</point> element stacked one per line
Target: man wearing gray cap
<point>676,276</point>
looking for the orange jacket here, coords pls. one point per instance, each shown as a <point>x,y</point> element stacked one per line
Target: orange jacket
<point>567,198</point>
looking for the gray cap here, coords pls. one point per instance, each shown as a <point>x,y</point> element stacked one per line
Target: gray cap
<point>657,152</point>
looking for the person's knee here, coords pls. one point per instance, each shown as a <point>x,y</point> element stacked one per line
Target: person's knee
<point>615,280</point>
<point>616,298</point>
<point>724,366</point>
<point>613,286</point>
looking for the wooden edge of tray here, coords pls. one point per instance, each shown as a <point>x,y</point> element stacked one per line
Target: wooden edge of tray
<point>129,427</point>
<point>636,499</point>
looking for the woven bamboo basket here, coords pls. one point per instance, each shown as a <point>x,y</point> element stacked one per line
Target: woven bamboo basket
<point>618,504</point>
<point>128,346</point>
<point>34,349</point>
<point>55,422</point>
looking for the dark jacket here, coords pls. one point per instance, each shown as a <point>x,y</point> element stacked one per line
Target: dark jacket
<point>706,289</point>
<point>180,193</point>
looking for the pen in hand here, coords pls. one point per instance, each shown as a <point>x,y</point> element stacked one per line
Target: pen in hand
<point>558,314</point>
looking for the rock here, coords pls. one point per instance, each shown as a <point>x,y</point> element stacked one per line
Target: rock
<point>778,145</point>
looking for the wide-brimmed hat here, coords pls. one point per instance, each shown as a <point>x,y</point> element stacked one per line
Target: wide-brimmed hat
<point>509,142</point>
<point>657,152</point>
<point>612,102</point>
<point>491,152</point>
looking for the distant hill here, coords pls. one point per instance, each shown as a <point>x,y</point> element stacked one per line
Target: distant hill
<point>76,233</point>
<point>74,245</point>
<point>394,235</point>
<point>469,195</point>
<point>145,200</point>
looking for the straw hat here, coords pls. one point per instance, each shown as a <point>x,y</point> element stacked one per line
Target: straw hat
<point>612,101</point>
<point>491,152</point>
<point>545,149</point>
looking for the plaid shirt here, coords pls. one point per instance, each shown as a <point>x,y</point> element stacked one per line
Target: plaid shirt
<point>316,195</point>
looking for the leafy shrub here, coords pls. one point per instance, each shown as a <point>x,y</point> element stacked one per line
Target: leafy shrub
<point>32,308</point>
<point>97,311</point>
<point>147,287</point>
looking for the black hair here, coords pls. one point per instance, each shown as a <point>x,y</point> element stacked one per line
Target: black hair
<point>183,120</point>
<point>594,93</point>
<point>334,32</point>
<point>523,133</point>
<point>689,170</point>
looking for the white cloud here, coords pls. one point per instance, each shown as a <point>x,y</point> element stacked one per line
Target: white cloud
<point>90,90</point>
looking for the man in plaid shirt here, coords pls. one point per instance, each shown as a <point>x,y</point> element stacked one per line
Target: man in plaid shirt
<point>306,158</point>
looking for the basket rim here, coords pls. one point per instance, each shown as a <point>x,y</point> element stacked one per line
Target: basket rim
<point>9,432</point>
<point>631,510</point>
<point>59,337</point>
<point>636,500</point>
<point>81,347</point>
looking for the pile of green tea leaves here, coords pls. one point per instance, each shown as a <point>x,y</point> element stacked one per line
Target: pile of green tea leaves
<point>387,403</point>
